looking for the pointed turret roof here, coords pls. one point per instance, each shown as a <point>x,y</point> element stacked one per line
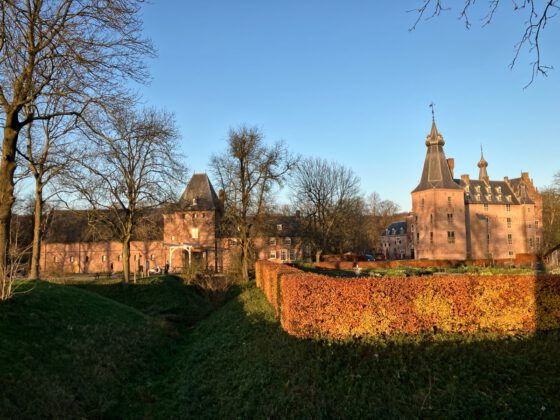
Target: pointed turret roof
<point>199,194</point>
<point>482,164</point>
<point>436,172</point>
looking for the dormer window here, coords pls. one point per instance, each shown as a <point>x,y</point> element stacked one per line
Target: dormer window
<point>488,190</point>
<point>508,198</point>
<point>467,189</point>
<point>499,190</point>
<point>499,197</point>
<point>279,227</point>
<point>477,196</point>
<point>287,241</point>
<point>489,197</point>
<point>194,200</point>
<point>272,241</point>
<point>477,188</point>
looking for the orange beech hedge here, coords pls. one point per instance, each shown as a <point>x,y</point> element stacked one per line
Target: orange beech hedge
<point>311,305</point>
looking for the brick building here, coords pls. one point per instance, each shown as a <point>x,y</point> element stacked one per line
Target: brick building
<point>463,218</point>
<point>191,232</point>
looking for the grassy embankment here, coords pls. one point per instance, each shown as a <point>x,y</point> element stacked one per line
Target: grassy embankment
<point>72,353</point>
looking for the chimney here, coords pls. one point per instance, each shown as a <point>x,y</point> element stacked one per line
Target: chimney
<point>466,179</point>
<point>525,176</point>
<point>451,164</point>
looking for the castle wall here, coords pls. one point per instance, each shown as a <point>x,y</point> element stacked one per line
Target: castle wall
<point>99,257</point>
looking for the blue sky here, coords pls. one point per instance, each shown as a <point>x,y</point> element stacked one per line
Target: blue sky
<point>347,81</point>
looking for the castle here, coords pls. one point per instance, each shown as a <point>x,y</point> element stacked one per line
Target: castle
<point>463,218</point>
<point>192,232</point>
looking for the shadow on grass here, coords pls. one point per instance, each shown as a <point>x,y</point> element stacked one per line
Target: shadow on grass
<point>240,363</point>
<point>163,297</point>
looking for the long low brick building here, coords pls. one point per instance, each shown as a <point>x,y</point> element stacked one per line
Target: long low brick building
<point>191,232</point>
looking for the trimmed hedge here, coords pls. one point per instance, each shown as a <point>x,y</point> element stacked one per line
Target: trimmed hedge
<point>311,305</point>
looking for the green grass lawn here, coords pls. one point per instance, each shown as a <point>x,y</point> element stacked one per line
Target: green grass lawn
<point>108,352</point>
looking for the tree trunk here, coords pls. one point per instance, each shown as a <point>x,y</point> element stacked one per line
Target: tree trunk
<point>318,255</point>
<point>126,259</point>
<point>7,169</point>
<point>245,259</point>
<point>34,273</point>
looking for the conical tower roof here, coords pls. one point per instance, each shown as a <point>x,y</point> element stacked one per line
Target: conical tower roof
<point>436,172</point>
<point>199,194</point>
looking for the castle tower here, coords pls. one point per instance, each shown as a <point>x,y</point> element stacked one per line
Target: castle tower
<point>438,206</point>
<point>190,229</point>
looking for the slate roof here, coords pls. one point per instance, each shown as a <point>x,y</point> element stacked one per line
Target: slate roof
<point>67,226</point>
<point>436,172</point>
<point>199,194</point>
<point>493,192</point>
<point>394,229</point>
<point>521,191</point>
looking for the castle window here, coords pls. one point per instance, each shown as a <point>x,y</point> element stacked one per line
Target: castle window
<point>417,237</point>
<point>450,217</point>
<point>508,207</point>
<point>536,224</point>
<point>529,226</point>
<point>287,241</point>
<point>55,259</point>
<point>509,222</point>
<point>279,227</point>
<point>203,215</point>
<point>412,228</point>
<point>283,255</point>
<point>152,257</point>
<point>195,216</point>
<point>431,237</point>
<point>486,207</point>
<point>72,258</point>
<point>510,239</point>
<point>104,258</point>
<point>86,258</point>
<point>233,242</point>
<point>451,237</point>
<point>528,209</point>
<point>538,241</point>
<point>194,233</point>
<point>510,253</point>
<point>531,242</point>
<point>292,254</point>
<point>431,218</point>
<point>488,238</point>
<point>272,241</point>
<point>449,201</point>
<point>272,254</point>
<point>422,204</point>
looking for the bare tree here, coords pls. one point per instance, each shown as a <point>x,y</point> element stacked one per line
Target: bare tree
<point>325,193</point>
<point>381,214</point>
<point>49,150</point>
<point>551,217</point>
<point>537,15</point>
<point>79,50</point>
<point>133,166</point>
<point>247,172</point>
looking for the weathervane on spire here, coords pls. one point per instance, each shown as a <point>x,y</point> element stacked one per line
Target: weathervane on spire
<point>432,105</point>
